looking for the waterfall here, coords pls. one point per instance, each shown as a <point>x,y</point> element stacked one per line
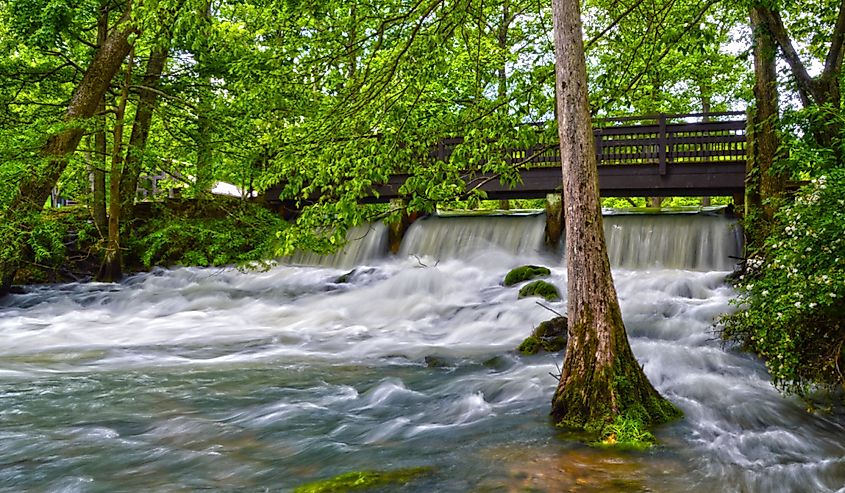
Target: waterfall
<point>634,241</point>
<point>460,236</point>
<point>365,243</point>
<point>674,241</point>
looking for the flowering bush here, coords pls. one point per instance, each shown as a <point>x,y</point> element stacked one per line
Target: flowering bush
<point>792,295</point>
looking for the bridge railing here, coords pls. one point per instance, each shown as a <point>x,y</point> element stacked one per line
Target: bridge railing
<point>664,139</point>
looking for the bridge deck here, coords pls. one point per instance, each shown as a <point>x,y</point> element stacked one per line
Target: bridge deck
<point>663,155</point>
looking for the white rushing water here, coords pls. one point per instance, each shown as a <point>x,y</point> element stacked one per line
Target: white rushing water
<point>218,379</point>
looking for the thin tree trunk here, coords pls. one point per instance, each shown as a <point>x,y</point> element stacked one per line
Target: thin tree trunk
<point>601,380</point>
<point>205,174</point>
<point>111,269</point>
<point>148,97</point>
<point>35,188</point>
<point>98,168</point>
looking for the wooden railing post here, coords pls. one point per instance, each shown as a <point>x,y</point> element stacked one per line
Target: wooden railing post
<point>597,138</point>
<point>661,143</point>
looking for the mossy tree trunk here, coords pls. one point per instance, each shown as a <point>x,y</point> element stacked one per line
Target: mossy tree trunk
<point>601,380</point>
<point>765,117</point>
<point>112,270</point>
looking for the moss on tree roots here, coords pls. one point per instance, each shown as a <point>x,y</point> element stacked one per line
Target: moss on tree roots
<point>620,413</point>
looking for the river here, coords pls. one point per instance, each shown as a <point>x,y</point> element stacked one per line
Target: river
<point>217,379</point>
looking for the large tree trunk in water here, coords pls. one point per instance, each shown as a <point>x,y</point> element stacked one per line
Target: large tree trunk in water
<point>35,188</point>
<point>762,184</point>
<point>140,133</point>
<point>601,380</point>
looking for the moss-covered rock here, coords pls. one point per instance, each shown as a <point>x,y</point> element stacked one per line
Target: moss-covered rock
<point>549,336</point>
<point>531,345</point>
<point>525,273</point>
<point>542,289</point>
<point>361,480</point>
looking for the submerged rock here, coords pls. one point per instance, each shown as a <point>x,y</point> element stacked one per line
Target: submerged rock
<point>549,336</point>
<point>364,480</point>
<point>354,275</point>
<point>542,289</point>
<point>525,273</point>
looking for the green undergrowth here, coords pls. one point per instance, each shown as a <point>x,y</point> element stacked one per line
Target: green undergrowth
<point>213,235</point>
<point>363,480</point>
<point>55,244</point>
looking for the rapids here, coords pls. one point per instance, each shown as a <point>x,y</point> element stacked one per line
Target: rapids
<point>217,379</point>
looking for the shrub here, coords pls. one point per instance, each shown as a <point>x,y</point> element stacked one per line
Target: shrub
<point>791,309</point>
<point>245,233</point>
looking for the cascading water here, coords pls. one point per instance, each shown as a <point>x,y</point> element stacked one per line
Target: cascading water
<point>216,379</point>
<point>457,236</point>
<point>364,244</point>
<point>674,241</point>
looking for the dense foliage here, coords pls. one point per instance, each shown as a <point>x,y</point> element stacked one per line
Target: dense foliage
<point>792,296</point>
<point>238,234</point>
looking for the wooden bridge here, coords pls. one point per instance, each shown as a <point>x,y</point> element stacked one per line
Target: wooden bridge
<point>655,156</point>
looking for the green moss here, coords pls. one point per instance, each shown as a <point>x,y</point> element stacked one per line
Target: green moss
<point>550,336</point>
<point>542,289</point>
<point>627,431</point>
<point>360,480</point>
<point>531,345</point>
<point>525,273</point>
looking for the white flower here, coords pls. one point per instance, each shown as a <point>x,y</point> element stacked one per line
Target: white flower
<point>765,292</point>
<point>797,304</point>
<point>812,305</point>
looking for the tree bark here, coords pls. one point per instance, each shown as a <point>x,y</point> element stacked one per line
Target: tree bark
<point>763,184</point>
<point>35,188</point>
<point>601,380</point>
<point>111,269</point>
<point>204,163</point>
<point>98,168</point>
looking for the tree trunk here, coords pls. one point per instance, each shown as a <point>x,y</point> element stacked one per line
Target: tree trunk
<point>98,168</point>
<point>205,174</point>
<point>601,380</point>
<point>35,188</point>
<point>147,100</point>
<point>111,270</point>
<point>762,184</point>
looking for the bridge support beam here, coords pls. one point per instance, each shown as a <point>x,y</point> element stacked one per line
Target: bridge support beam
<point>554,220</point>
<point>397,228</point>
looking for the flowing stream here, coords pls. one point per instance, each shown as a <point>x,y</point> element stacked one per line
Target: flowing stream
<point>216,379</point>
